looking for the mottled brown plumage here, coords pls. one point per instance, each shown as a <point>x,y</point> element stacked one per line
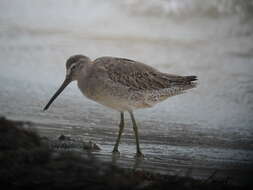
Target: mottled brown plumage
<point>123,84</point>
<point>139,76</point>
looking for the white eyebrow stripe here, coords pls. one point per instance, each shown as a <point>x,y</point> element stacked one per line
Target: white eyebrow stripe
<point>70,68</point>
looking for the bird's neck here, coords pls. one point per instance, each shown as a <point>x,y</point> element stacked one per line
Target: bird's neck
<point>83,80</point>
<point>84,71</point>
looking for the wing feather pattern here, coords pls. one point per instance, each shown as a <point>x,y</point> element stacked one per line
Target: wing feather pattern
<point>139,76</point>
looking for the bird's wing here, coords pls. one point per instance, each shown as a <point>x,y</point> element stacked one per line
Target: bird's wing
<point>139,76</point>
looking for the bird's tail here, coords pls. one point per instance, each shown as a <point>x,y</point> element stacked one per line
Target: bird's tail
<point>190,80</point>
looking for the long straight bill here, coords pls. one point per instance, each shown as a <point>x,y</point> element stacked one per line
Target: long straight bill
<point>63,86</point>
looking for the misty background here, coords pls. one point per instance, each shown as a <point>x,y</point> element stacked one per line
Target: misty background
<point>210,39</point>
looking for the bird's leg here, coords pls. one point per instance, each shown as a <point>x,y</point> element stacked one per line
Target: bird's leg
<point>121,127</point>
<point>135,127</point>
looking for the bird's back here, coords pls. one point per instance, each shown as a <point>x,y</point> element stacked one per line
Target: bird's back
<point>137,84</point>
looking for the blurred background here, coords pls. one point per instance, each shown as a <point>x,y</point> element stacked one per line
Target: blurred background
<point>210,39</point>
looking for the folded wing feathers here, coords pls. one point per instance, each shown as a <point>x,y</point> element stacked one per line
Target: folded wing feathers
<point>139,76</point>
<point>154,80</point>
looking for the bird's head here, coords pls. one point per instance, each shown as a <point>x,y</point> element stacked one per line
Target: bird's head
<point>74,66</point>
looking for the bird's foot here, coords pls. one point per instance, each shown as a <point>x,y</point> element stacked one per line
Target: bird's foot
<point>116,152</point>
<point>139,154</point>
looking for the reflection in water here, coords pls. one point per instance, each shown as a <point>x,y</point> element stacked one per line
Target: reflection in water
<point>137,162</point>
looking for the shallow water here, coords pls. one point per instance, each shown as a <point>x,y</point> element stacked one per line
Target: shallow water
<point>210,126</point>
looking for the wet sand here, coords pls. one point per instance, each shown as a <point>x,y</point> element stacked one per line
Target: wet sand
<point>37,165</point>
<point>168,154</point>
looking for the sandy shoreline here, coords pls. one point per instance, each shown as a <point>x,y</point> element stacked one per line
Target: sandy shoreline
<point>168,163</point>
<point>19,139</point>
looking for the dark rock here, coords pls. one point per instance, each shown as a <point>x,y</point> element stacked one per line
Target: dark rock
<point>64,138</point>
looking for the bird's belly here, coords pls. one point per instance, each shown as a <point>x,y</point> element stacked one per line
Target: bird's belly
<point>114,98</point>
<point>132,100</point>
<point>120,99</point>
<point>120,103</point>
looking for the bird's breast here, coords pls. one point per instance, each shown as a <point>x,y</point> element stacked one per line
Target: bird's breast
<point>86,89</point>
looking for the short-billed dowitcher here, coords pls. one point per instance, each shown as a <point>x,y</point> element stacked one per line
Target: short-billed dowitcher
<point>122,84</point>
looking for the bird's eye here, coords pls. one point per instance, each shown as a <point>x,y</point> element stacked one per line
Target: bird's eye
<point>74,66</point>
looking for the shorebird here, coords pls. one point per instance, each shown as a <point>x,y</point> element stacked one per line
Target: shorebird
<point>122,84</point>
